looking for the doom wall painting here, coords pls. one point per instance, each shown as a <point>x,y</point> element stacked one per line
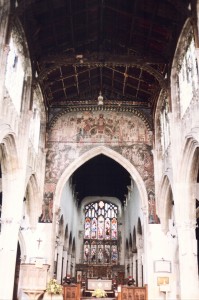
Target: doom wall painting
<point>74,133</point>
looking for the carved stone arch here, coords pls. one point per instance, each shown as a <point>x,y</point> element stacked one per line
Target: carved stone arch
<point>189,173</point>
<point>31,196</point>
<point>9,167</point>
<point>113,155</point>
<point>9,157</point>
<point>165,203</point>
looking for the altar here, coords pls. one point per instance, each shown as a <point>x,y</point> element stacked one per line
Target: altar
<point>103,284</point>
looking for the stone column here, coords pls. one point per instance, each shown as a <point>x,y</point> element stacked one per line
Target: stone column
<point>188,261</point>
<point>131,266</point>
<point>73,264</point>
<point>134,266</point>
<point>11,215</point>
<point>139,260</point>
<point>69,265</point>
<point>59,262</point>
<point>126,268</point>
<point>64,270</point>
<point>139,266</point>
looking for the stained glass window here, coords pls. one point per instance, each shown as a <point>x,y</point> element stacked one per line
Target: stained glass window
<point>100,233</point>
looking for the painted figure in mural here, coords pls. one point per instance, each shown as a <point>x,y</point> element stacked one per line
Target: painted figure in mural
<point>152,209</point>
<point>47,209</point>
<point>101,123</point>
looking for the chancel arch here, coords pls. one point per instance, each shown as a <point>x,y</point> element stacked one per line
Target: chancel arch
<point>110,153</point>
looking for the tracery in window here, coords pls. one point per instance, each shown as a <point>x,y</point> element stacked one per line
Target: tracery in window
<point>188,76</point>
<point>100,233</point>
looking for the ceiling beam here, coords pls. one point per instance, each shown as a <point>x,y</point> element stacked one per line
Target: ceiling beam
<point>54,62</point>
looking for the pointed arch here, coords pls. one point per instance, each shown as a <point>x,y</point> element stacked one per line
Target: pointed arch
<point>32,193</point>
<point>189,172</point>
<point>8,151</point>
<point>111,154</point>
<point>165,202</point>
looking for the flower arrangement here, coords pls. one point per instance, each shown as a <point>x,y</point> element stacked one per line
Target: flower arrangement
<point>99,293</point>
<point>53,287</point>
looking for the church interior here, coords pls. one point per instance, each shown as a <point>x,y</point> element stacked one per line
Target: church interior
<point>99,149</point>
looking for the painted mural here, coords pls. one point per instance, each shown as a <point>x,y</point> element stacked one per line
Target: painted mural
<point>75,133</point>
<point>100,127</point>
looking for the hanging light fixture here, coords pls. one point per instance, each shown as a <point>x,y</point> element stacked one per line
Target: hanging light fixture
<point>100,99</point>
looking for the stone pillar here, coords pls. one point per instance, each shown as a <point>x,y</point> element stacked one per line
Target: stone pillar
<point>73,268</point>
<point>59,262</point>
<point>65,256</point>
<point>139,260</point>
<point>8,258</point>
<point>134,266</point>
<point>69,265</point>
<point>139,266</point>
<point>131,266</point>
<point>126,267</point>
<point>11,215</point>
<point>189,284</point>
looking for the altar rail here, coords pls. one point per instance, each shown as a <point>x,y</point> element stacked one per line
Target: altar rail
<point>133,293</point>
<point>73,292</point>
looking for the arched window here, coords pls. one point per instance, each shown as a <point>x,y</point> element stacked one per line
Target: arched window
<point>164,123</point>
<point>100,233</point>
<point>15,73</point>
<point>188,76</point>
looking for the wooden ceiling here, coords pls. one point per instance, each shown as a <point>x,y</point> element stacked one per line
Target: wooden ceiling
<point>122,48</point>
